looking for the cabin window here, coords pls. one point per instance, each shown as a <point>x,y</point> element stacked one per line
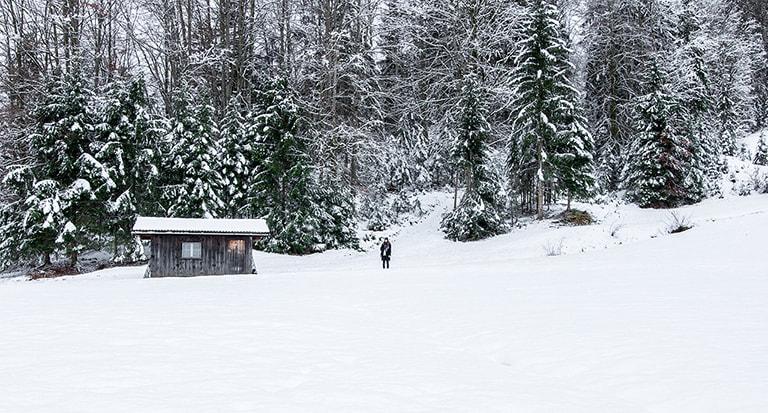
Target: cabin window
<point>191,250</point>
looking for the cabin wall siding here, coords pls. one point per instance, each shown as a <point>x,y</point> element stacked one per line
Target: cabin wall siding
<point>166,260</point>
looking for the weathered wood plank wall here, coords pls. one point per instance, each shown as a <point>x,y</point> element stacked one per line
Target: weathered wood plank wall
<point>216,257</point>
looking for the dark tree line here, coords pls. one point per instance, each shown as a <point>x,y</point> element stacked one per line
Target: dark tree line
<point>291,109</point>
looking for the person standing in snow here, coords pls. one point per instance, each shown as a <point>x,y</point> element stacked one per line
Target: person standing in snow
<point>386,253</point>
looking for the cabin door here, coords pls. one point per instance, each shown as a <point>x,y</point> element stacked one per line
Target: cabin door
<point>236,256</point>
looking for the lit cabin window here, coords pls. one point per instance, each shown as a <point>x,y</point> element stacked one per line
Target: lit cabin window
<point>191,249</point>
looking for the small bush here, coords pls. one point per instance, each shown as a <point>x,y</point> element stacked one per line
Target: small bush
<point>553,248</point>
<point>759,181</point>
<point>404,204</point>
<point>677,223</point>
<point>615,228</point>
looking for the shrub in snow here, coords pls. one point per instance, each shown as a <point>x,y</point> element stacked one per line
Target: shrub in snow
<point>379,219</point>
<point>742,188</point>
<point>758,181</point>
<point>552,248</point>
<point>678,223</point>
<point>615,227</point>
<point>748,181</point>
<point>405,204</point>
<point>376,208</point>
<point>763,184</point>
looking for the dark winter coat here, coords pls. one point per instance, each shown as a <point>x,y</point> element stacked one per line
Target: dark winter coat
<point>386,250</point>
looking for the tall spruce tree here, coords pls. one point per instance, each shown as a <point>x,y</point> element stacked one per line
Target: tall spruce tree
<point>234,163</point>
<point>573,155</point>
<point>124,143</point>
<point>306,212</point>
<point>64,197</point>
<point>480,214</point>
<point>191,177</point>
<point>550,147</point>
<point>663,171</point>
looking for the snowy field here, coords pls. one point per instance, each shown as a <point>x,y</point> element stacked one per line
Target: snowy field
<point>627,318</point>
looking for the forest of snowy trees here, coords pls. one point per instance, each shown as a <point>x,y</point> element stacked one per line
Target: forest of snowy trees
<point>310,112</point>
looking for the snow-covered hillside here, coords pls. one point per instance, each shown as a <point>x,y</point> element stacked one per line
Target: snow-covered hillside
<point>628,318</point>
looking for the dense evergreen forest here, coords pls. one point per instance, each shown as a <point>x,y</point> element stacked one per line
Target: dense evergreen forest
<point>315,114</point>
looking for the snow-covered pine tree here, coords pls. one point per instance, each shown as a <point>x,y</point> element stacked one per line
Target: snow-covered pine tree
<point>573,155</point>
<point>125,144</point>
<point>611,83</point>
<point>761,152</point>
<point>618,41</point>
<point>190,179</point>
<point>332,212</point>
<point>662,171</point>
<point>17,157</point>
<point>573,147</point>
<point>234,163</point>
<point>66,193</point>
<point>550,147</point>
<point>689,80</point>
<point>305,211</point>
<point>30,225</point>
<point>283,161</point>
<point>480,214</point>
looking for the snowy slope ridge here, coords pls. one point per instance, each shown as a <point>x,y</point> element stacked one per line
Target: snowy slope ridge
<point>639,321</point>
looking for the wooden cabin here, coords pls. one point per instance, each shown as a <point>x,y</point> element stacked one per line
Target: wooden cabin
<point>185,247</point>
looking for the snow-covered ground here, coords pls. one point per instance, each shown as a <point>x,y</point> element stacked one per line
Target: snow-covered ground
<point>628,318</point>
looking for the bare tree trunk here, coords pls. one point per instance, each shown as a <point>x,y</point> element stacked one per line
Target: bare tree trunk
<point>71,35</point>
<point>469,178</point>
<point>540,182</point>
<point>286,46</point>
<point>225,33</point>
<point>456,191</point>
<point>98,53</point>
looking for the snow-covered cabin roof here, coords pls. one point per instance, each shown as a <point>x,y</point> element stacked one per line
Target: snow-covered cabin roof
<point>199,226</point>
